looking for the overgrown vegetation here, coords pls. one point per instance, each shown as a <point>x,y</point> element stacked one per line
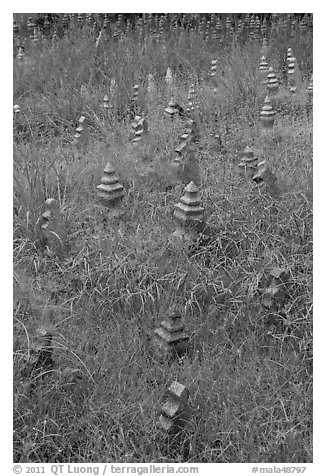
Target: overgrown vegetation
<point>250,372</point>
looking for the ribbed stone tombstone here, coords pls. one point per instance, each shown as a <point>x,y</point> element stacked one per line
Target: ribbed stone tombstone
<point>106,104</point>
<point>174,411</point>
<point>21,55</point>
<point>169,339</point>
<point>80,134</point>
<point>53,229</point>
<point>213,68</point>
<point>291,74</point>
<point>139,127</point>
<point>310,87</point>
<point>272,82</point>
<point>249,162</point>
<point>110,191</point>
<point>267,114</point>
<point>289,55</point>
<point>188,214</point>
<point>263,69</point>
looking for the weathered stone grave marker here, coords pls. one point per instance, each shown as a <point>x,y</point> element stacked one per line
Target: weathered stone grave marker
<point>110,191</point>
<point>248,162</point>
<point>174,411</point>
<point>189,214</point>
<point>170,340</point>
<point>267,114</point>
<point>272,82</point>
<point>139,127</point>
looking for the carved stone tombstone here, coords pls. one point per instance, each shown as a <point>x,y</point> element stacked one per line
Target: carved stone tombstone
<point>189,214</point>
<point>170,340</point>
<point>272,82</point>
<point>174,411</point>
<point>139,127</point>
<point>267,114</point>
<point>110,191</point>
<point>263,70</point>
<point>248,162</point>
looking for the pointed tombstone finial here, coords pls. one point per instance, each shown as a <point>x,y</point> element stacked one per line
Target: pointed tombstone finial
<point>174,412</point>
<point>110,191</point>
<point>21,55</point>
<point>263,69</point>
<point>291,74</point>
<point>106,103</point>
<point>213,75</point>
<point>188,214</point>
<point>193,107</point>
<point>267,115</point>
<point>248,162</point>
<point>272,82</point>
<point>170,340</point>
<point>289,55</point>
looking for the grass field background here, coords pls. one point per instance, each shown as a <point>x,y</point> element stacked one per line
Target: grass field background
<point>250,370</point>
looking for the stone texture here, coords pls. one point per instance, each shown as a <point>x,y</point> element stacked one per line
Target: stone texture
<point>174,412</point>
<point>110,191</point>
<point>170,340</point>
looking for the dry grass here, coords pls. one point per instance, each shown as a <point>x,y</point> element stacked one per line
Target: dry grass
<point>250,373</point>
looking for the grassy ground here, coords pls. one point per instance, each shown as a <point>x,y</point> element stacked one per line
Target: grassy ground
<point>250,370</point>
